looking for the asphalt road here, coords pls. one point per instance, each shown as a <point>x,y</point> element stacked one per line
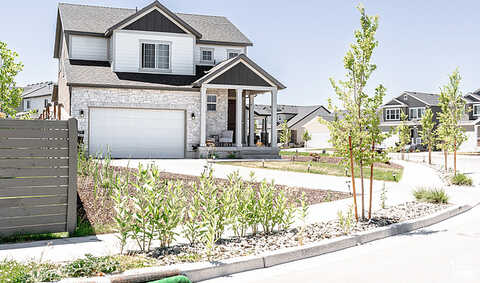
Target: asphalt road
<point>445,252</point>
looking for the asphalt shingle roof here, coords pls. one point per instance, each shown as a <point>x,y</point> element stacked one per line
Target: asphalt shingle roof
<point>96,19</point>
<point>38,90</point>
<point>430,98</point>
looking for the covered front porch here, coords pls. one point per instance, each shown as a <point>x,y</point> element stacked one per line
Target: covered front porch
<point>242,81</point>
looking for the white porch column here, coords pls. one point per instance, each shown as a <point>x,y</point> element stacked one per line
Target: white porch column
<point>239,114</point>
<point>274,118</point>
<point>251,119</point>
<point>203,116</point>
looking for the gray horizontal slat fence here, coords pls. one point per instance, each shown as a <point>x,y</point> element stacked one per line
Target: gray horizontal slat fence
<point>38,176</point>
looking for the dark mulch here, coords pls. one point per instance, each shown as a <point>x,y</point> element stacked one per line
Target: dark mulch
<point>97,207</point>
<point>335,160</point>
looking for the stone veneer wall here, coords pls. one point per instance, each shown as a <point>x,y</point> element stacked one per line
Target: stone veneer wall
<point>84,97</point>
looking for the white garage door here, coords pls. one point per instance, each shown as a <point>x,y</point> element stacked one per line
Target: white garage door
<point>137,133</point>
<point>319,140</point>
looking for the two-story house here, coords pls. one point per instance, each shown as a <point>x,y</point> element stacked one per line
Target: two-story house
<point>414,104</point>
<point>36,97</point>
<point>152,83</point>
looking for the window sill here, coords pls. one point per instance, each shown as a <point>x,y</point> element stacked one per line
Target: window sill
<point>155,71</point>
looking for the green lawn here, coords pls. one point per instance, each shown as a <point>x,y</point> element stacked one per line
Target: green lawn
<point>379,173</point>
<point>290,153</point>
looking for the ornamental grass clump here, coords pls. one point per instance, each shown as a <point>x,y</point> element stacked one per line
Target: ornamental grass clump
<point>461,180</point>
<point>431,195</point>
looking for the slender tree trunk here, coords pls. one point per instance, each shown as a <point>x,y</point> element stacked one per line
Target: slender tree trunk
<point>353,178</point>
<point>445,153</point>
<point>455,158</point>
<point>363,190</point>
<point>371,185</point>
<point>429,154</point>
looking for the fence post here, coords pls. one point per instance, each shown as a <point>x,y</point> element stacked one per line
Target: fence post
<point>72,176</point>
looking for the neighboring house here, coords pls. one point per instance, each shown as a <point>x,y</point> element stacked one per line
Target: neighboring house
<point>157,84</point>
<point>414,104</point>
<point>297,118</point>
<point>471,123</point>
<point>36,97</point>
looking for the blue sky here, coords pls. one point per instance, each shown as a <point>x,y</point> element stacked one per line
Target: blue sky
<point>302,43</point>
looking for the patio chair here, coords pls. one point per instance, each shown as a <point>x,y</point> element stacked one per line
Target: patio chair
<point>226,138</point>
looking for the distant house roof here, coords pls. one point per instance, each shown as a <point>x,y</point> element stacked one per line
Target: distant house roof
<point>429,98</point>
<point>301,113</point>
<point>38,90</point>
<point>98,21</point>
<point>473,97</point>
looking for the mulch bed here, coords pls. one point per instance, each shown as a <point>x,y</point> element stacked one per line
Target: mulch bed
<point>258,244</point>
<point>97,207</point>
<point>334,160</point>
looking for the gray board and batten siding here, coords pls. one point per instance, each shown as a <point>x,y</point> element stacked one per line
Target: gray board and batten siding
<point>38,176</point>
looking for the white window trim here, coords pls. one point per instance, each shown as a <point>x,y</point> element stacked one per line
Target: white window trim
<point>392,109</point>
<point>155,70</point>
<point>212,103</point>
<point>416,111</point>
<point>473,109</point>
<point>233,51</point>
<point>207,62</point>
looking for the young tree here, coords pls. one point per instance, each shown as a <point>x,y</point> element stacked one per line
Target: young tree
<point>306,137</point>
<point>427,133</point>
<point>359,114</point>
<point>452,107</point>
<point>403,134</point>
<point>285,134</point>
<point>10,95</point>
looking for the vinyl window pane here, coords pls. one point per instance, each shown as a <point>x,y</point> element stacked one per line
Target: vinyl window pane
<point>148,55</point>
<point>163,56</point>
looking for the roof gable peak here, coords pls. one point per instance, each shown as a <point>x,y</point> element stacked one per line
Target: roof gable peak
<point>155,5</point>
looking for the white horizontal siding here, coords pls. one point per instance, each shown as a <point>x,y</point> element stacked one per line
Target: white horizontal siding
<point>127,51</point>
<point>88,48</point>
<point>219,53</point>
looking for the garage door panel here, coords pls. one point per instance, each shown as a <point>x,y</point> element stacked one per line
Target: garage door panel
<point>137,133</point>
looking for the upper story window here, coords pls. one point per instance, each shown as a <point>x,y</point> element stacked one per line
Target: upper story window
<point>416,113</point>
<point>211,102</point>
<point>476,110</point>
<point>206,55</point>
<point>156,56</point>
<point>231,53</point>
<point>392,114</point>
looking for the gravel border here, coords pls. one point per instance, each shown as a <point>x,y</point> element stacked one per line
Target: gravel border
<point>205,270</point>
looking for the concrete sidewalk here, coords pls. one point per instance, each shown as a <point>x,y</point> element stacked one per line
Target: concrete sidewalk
<point>71,248</point>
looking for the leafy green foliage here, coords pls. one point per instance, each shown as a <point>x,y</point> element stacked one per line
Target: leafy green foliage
<point>10,94</point>
<point>346,221</point>
<point>285,134</point>
<point>431,195</point>
<point>13,271</point>
<point>453,108</point>
<point>403,133</point>
<point>461,180</point>
<point>306,136</point>
<point>427,132</point>
<point>90,265</point>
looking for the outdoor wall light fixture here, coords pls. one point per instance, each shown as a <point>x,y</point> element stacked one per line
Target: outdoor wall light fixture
<point>81,113</point>
<point>193,116</point>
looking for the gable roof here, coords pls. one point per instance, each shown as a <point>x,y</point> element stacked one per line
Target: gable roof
<point>38,90</point>
<point>149,8</point>
<point>224,66</point>
<point>472,97</point>
<point>301,113</point>
<point>427,98</point>
<point>97,20</point>
<point>395,102</point>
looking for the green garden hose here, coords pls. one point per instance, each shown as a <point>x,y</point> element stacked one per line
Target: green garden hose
<point>174,279</point>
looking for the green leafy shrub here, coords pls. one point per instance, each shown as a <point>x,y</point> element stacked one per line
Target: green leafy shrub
<point>13,271</point>
<point>461,180</point>
<point>431,195</point>
<point>91,265</point>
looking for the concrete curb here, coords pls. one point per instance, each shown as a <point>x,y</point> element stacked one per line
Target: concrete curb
<point>204,270</point>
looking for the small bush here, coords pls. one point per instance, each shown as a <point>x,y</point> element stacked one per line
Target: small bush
<point>90,265</point>
<point>13,271</point>
<point>431,195</point>
<point>461,180</point>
